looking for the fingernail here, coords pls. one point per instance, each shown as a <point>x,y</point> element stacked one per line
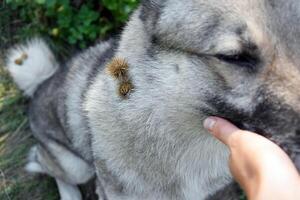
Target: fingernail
<point>209,123</point>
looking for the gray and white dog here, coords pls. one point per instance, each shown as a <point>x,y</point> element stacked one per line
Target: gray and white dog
<point>186,60</point>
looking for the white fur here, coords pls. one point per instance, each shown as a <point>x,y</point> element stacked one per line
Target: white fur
<point>39,66</point>
<point>78,170</point>
<point>67,191</point>
<point>75,118</point>
<point>33,166</point>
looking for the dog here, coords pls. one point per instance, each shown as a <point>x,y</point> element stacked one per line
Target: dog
<point>128,111</point>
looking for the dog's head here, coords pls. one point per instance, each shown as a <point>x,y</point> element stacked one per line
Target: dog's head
<point>235,59</point>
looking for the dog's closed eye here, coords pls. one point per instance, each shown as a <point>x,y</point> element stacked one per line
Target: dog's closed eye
<point>243,59</point>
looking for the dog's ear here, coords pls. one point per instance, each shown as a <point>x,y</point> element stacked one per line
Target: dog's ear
<point>151,3</point>
<point>150,12</point>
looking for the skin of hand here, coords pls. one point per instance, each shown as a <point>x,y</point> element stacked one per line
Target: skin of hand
<point>261,167</point>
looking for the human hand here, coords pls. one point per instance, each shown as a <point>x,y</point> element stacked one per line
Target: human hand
<point>261,167</point>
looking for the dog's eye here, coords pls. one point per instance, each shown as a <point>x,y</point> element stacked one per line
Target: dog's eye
<point>241,59</point>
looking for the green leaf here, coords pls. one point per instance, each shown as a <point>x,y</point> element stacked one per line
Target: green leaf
<point>40,1</point>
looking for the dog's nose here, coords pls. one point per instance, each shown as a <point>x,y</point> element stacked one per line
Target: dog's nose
<point>298,132</point>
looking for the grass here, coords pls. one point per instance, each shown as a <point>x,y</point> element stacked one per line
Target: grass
<point>15,142</point>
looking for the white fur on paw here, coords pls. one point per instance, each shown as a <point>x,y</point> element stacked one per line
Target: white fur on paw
<point>34,167</point>
<point>32,156</point>
<point>68,191</point>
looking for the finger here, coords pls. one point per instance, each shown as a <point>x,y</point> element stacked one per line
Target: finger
<point>221,129</point>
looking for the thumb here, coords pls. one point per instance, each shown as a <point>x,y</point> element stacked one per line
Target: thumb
<point>222,129</point>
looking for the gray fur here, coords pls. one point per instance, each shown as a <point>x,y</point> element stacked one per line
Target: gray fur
<point>152,145</point>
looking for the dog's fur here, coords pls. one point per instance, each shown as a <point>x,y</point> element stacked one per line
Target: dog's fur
<point>186,60</point>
